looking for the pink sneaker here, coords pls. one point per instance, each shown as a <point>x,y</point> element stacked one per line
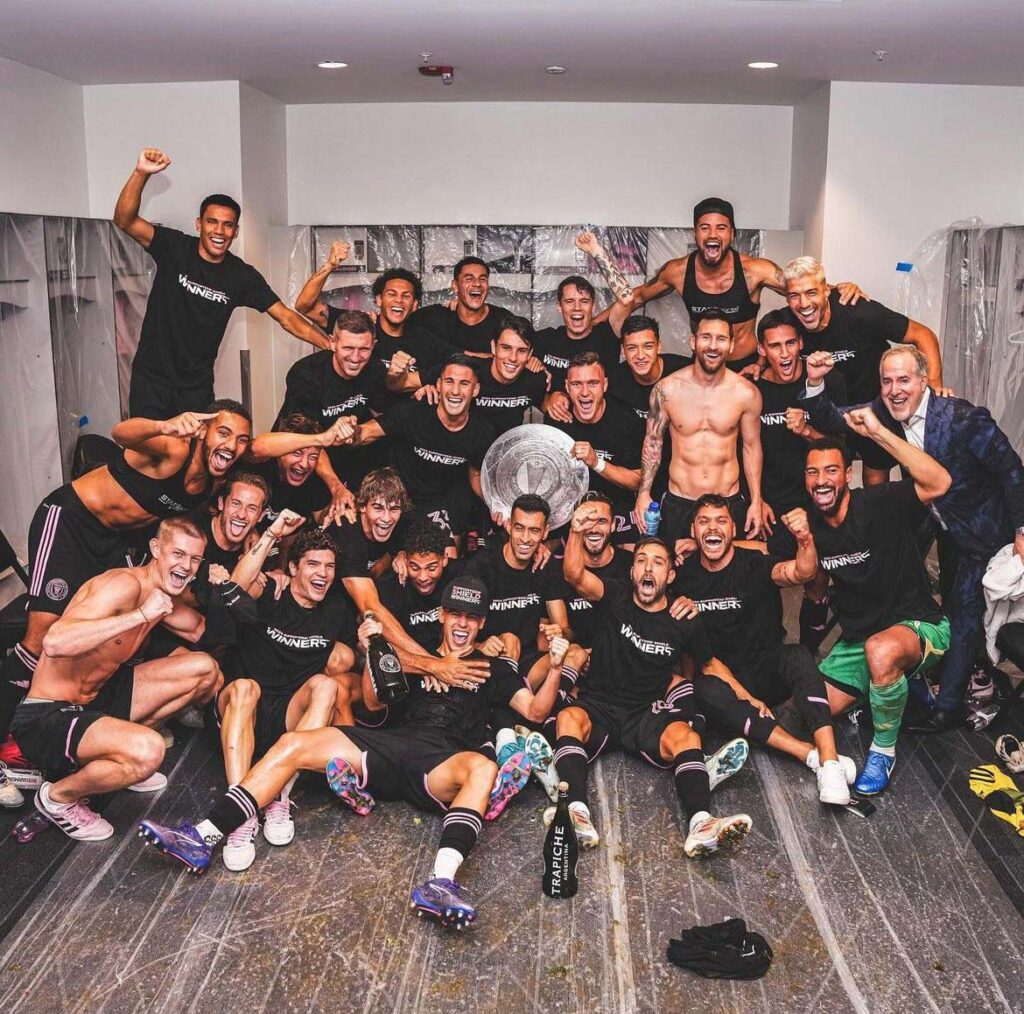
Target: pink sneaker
<point>512,778</point>
<point>154,783</point>
<point>76,820</point>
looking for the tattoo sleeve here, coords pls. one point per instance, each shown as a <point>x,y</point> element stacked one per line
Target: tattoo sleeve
<point>650,456</point>
<point>614,277</point>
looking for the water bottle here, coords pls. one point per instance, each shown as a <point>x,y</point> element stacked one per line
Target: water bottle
<point>561,851</point>
<point>652,517</point>
<point>28,827</point>
<point>389,682</point>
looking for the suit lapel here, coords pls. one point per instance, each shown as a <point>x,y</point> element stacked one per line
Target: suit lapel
<point>934,421</point>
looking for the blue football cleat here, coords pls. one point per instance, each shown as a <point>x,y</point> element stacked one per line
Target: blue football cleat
<point>183,842</point>
<point>875,775</point>
<point>441,900</point>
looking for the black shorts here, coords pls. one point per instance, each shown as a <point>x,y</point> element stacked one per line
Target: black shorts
<point>271,713</point>
<point>153,396</point>
<point>49,732</point>
<point>67,545</point>
<point>677,516</point>
<point>396,761</point>
<point>638,730</point>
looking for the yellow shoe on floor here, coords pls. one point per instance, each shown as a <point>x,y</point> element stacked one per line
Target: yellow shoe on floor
<point>987,778</point>
<point>1000,793</point>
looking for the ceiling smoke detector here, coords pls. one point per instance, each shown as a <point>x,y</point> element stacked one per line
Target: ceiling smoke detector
<point>445,73</point>
<point>331,64</point>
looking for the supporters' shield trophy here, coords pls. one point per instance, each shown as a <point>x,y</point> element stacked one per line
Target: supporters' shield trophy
<point>534,459</point>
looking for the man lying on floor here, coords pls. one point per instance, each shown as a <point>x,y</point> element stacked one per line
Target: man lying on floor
<point>430,759</point>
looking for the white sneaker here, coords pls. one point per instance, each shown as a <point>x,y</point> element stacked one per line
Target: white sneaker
<point>192,717</point>
<point>154,783</point>
<point>76,820</point>
<point>711,833</point>
<point>240,846</point>
<point>543,763</point>
<point>9,794</point>
<point>847,763</point>
<point>833,788</point>
<point>278,826</point>
<point>586,833</point>
<point>168,736</point>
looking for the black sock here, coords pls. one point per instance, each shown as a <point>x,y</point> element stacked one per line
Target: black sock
<point>461,829</point>
<point>15,677</point>
<point>571,762</point>
<point>232,810</point>
<point>813,623</point>
<point>692,784</point>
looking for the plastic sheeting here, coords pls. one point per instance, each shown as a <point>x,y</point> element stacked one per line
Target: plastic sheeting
<point>967,281</point>
<point>527,262</point>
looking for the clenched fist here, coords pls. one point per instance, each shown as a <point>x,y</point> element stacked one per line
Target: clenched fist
<point>285,523</point>
<point>338,254</point>
<point>158,604</point>
<point>152,161</point>
<point>796,521</point>
<point>819,365</point>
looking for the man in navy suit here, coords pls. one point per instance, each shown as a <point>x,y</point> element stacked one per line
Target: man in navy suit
<point>982,512</point>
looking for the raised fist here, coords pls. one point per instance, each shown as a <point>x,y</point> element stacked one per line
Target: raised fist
<point>819,365</point>
<point>188,424</point>
<point>338,254</point>
<point>152,161</point>
<point>342,430</point>
<point>584,451</point>
<point>558,649</point>
<point>796,521</point>
<point>863,421</point>
<point>158,604</point>
<point>401,362</point>
<point>285,523</point>
<point>218,574</point>
<point>796,420</point>
<point>587,242</point>
<point>585,517</point>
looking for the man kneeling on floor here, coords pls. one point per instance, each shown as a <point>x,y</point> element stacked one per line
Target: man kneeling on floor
<point>430,759</point>
<point>89,713</point>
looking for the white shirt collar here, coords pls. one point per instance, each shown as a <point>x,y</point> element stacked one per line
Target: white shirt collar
<point>922,410</point>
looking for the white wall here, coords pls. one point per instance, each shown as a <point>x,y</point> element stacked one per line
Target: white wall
<point>906,160</point>
<point>809,164</point>
<point>43,155</point>
<point>541,163</point>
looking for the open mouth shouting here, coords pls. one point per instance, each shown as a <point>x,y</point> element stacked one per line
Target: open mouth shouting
<point>382,530</point>
<point>177,579</point>
<point>594,541</point>
<point>787,368</point>
<point>712,543</point>
<point>712,250</point>
<point>647,587</point>
<point>318,586</point>
<point>824,497</point>
<point>459,636</point>
<point>455,404</point>
<point>711,361</point>
<point>221,460</point>
<point>296,474</point>
<point>237,528</point>
<point>810,316</point>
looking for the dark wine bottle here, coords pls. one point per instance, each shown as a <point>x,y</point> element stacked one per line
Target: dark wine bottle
<point>389,682</point>
<point>561,851</point>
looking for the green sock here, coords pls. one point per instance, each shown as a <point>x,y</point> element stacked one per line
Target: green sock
<point>887,704</point>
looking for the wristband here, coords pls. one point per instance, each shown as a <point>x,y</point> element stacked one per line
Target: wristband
<point>600,466</point>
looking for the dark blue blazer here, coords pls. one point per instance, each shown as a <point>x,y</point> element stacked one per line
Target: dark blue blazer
<point>985,502</point>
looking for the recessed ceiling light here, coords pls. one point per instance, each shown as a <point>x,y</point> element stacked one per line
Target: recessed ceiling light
<point>331,64</point>
<point>762,65</point>
<point>554,69</point>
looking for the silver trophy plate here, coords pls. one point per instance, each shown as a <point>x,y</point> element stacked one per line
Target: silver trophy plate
<point>534,459</point>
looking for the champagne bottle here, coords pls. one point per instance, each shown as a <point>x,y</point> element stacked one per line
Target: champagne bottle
<point>561,851</point>
<point>389,682</point>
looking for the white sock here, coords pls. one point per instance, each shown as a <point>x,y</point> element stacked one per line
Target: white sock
<point>209,832</point>
<point>503,738</point>
<point>50,805</point>
<point>888,751</point>
<point>698,817</point>
<point>813,761</point>
<point>288,786</point>
<point>447,863</point>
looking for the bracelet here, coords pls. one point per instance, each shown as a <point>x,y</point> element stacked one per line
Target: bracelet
<point>600,466</point>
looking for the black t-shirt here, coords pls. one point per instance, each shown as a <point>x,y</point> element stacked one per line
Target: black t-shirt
<point>305,500</point>
<point>518,597</point>
<point>430,458</point>
<point>419,615</point>
<point>624,387</point>
<point>315,388</point>
<point>740,606</point>
<point>782,476</point>
<point>582,614</point>
<point>461,714</point>
<point>190,304</point>
<point>555,348</point>
<point>617,437</point>
<point>636,652</point>
<point>430,354</point>
<point>213,554</point>
<point>288,643</point>
<point>357,554</point>
<point>878,577</point>
<point>447,327</point>
<point>857,335</point>
<point>504,405</point>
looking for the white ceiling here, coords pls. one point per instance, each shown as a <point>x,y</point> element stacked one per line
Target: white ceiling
<point>616,50</point>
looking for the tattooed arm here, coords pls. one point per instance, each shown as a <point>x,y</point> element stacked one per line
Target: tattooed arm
<point>650,456</point>
<point>616,280</point>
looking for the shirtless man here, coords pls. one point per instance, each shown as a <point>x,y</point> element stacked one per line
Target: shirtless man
<point>713,277</point>
<point>707,406</point>
<point>89,714</point>
<point>168,467</point>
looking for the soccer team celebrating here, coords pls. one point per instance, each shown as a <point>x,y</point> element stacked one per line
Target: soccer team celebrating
<point>239,580</point>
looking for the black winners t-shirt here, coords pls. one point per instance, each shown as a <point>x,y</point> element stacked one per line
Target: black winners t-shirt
<point>447,327</point>
<point>782,477</point>
<point>857,335</point>
<point>504,405</point>
<point>582,614</point>
<point>357,554</point>
<point>878,577</point>
<point>740,606</point>
<point>288,643</point>
<point>518,597</point>
<point>432,459</point>
<point>305,499</point>
<point>555,348</point>
<point>624,387</point>
<point>419,615</point>
<point>636,652</point>
<point>190,304</point>
<point>316,389</point>
<point>617,437</point>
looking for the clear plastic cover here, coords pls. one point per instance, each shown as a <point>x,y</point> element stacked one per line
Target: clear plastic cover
<point>133,272</point>
<point>527,263</point>
<point>967,282</point>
